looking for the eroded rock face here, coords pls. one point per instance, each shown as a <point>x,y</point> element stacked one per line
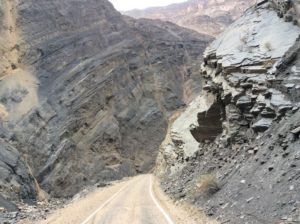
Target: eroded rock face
<point>247,62</point>
<point>203,16</point>
<point>253,71</point>
<point>90,92</point>
<point>15,182</point>
<point>209,123</point>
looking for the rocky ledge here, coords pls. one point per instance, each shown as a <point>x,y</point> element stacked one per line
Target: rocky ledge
<point>243,130</point>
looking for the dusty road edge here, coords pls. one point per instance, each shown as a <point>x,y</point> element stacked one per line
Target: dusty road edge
<point>183,212</point>
<point>167,217</point>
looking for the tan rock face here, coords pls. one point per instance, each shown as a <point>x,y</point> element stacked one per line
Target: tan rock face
<point>100,89</point>
<point>203,16</point>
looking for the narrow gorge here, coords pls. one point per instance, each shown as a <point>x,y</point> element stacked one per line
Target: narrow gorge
<point>97,97</point>
<point>89,96</point>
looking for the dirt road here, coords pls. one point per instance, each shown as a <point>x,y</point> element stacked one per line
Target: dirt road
<point>135,201</point>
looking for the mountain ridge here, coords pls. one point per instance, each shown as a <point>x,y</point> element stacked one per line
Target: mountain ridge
<point>203,16</point>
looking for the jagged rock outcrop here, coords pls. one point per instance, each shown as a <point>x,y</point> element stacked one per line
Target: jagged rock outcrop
<point>209,123</point>
<point>203,16</point>
<point>85,93</point>
<point>288,10</point>
<point>241,64</point>
<point>252,73</point>
<point>15,176</point>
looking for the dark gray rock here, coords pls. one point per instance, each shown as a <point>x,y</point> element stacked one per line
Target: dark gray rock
<point>7,205</point>
<point>105,85</point>
<point>16,181</point>
<point>268,113</point>
<point>256,158</point>
<point>262,125</point>
<point>244,102</point>
<point>210,123</point>
<point>296,131</point>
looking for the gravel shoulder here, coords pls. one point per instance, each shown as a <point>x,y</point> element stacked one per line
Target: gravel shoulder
<point>181,212</point>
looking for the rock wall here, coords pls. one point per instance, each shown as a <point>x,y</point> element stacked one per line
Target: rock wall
<point>245,80</point>
<point>203,16</point>
<point>289,10</point>
<point>89,97</point>
<point>15,177</point>
<point>251,73</point>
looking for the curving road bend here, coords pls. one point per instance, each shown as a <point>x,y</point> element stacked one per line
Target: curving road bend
<point>134,203</point>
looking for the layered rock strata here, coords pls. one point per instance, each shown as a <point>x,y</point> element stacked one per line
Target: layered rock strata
<point>88,97</point>
<point>203,16</point>
<point>251,73</point>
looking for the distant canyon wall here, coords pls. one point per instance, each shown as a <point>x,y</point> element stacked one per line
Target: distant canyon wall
<point>204,16</point>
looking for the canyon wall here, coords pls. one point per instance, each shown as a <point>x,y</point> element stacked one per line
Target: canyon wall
<point>85,93</point>
<point>203,16</point>
<point>240,138</point>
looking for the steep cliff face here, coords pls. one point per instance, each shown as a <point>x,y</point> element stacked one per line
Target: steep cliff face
<point>203,16</point>
<point>243,130</point>
<point>85,92</point>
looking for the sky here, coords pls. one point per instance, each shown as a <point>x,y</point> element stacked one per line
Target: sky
<point>124,5</point>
